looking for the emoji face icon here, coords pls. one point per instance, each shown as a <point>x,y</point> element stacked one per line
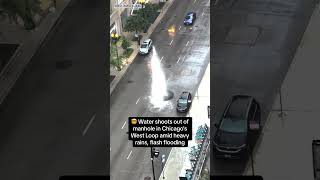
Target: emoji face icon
<point>134,121</point>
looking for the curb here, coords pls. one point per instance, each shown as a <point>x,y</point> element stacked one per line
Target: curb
<point>165,165</point>
<point>9,75</point>
<point>118,77</point>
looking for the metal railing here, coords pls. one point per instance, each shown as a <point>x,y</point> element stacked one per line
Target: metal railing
<point>202,158</point>
<point>198,153</point>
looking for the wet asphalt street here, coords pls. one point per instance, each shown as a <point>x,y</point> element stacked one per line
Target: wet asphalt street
<point>184,56</point>
<point>54,121</point>
<point>254,43</point>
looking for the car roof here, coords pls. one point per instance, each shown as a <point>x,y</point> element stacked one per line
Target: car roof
<point>238,107</point>
<point>190,13</point>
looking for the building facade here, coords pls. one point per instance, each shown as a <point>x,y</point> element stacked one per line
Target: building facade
<point>119,15</point>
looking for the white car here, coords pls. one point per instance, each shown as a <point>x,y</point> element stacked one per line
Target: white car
<point>145,46</point>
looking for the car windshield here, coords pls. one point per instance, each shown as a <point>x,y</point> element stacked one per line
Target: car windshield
<point>230,139</point>
<point>233,125</point>
<point>188,17</point>
<point>143,45</point>
<point>182,102</point>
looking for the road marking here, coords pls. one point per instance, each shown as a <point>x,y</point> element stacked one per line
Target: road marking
<point>202,13</point>
<point>179,28</point>
<point>138,100</point>
<point>129,154</point>
<point>161,59</point>
<point>88,125</point>
<point>194,1</point>
<point>124,124</point>
<point>187,43</point>
<point>178,59</point>
<point>171,42</point>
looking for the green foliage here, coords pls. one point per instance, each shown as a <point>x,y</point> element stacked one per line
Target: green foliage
<point>135,23</point>
<point>161,4</point>
<point>23,8</point>
<point>128,52</point>
<point>150,12</point>
<point>125,44</point>
<point>116,61</point>
<point>135,12</point>
<point>113,51</point>
<point>142,18</point>
<point>205,175</point>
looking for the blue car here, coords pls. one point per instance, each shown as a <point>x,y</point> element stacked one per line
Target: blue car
<point>190,18</point>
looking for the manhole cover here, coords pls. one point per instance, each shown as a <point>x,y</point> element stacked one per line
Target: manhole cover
<point>130,81</point>
<point>169,66</point>
<point>147,178</point>
<point>63,64</point>
<point>168,96</point>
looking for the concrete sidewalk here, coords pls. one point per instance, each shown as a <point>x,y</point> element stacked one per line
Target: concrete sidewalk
<point>119,74</point>
<point>178,158</point>
<point>29,42</point>
<point>284,149</point>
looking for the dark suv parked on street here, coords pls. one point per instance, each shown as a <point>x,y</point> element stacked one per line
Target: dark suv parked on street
<point>240,120</point>
<point>184,102</point>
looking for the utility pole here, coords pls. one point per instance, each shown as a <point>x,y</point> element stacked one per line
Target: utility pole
<point>281,114</point>
<point>114,38</point>
<point>154,154</point>
<point>163,159</point>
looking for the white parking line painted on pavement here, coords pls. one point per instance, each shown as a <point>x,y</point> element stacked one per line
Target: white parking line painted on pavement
<point>178,59</point>
<point>88,125</point>
<point>161,59</point>
<point>179,28</point>
<point>138,100</point>
<point>187,43</point>
<point>171,42</point>
<point>202,13</point>
<point>124,124</point>
<point>129,154</point>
